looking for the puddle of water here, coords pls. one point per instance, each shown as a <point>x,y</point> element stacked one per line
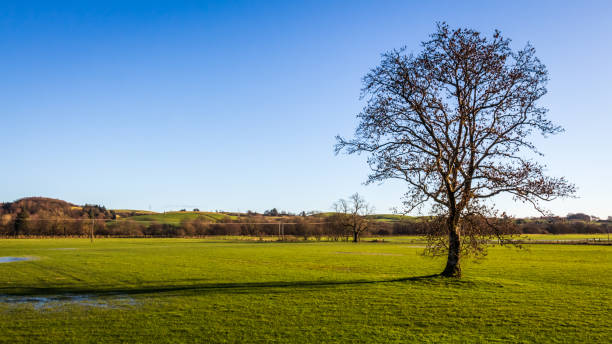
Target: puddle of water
<point>14,259</point>
<point>56,301</point>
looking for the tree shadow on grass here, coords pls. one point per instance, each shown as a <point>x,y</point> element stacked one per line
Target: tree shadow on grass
<point>207,288</point>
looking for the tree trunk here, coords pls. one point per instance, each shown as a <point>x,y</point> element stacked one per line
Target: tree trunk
<point>355,238</point>
<point>453,269</point>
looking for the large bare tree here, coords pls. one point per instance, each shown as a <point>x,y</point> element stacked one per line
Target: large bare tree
<point>454,122</point>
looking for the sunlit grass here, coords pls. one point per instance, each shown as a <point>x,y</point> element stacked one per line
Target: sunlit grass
<point>192,290</point>
<point>175,218</point>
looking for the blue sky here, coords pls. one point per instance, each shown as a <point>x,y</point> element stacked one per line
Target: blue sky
<point>235,105</point>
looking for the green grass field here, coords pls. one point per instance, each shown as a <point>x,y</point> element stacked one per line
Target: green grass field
<point>175,217</point>
<point>192,290</point>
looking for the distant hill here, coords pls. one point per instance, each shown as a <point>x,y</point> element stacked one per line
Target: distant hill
<point>43,207</point>
<point>131,212</point>
<point>34,205</point>
<point>383,217</point>
<point>176,217</point>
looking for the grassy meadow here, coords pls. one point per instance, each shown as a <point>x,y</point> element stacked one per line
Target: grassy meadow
<point>214,290</point>
<point>175,217</point>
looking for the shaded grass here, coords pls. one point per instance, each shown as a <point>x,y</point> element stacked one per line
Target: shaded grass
<point>203,291</point>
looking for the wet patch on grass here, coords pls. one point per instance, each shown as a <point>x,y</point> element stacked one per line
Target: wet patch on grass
<point>9,259</point>
<point>49,302</point>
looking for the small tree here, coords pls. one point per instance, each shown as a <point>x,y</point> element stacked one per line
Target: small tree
<point>452,123</point>
<point>271,212</point>
<point>351,215</point>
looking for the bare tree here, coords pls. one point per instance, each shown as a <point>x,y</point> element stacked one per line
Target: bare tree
<point>453,122</point>
<point>249,227</point>
<point>351,215</point>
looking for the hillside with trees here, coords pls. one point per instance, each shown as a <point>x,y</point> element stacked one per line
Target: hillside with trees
<point>47,217</point>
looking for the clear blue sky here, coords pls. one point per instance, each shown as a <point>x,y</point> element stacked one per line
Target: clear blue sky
<point>234,105</point>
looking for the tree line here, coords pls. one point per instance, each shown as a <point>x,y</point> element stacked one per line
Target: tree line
<point>330,227</point>
<point>352,219</point>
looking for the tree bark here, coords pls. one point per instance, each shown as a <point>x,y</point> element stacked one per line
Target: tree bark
<point>453,268</point>
<point>355,238</point>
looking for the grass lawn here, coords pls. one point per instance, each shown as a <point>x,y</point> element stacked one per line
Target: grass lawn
<point>194,291</point>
